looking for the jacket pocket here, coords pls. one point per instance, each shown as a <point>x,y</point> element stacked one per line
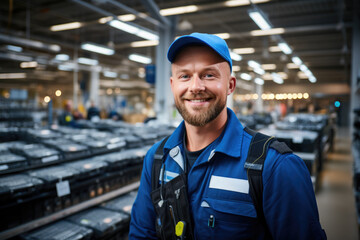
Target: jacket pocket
<point>227,219</point>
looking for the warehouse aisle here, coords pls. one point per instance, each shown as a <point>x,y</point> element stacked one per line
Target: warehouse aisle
<point>335,197</point>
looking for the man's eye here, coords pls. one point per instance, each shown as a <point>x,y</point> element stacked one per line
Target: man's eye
<point>208,75</point>
<point>184,76</point>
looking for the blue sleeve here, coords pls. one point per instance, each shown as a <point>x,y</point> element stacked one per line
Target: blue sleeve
<point>142,224</point>
<point>289,200</point>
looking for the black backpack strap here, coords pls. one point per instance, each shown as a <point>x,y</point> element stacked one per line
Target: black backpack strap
<point>156,166</point>
<point>254,165</point>
<point>281,147</point>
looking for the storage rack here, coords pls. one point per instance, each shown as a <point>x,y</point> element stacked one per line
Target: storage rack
<point>114,163</point>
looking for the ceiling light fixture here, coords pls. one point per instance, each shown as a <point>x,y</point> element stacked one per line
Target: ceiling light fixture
<point>66,26</point>
<point>244,50</point>
<point>97,48</point>
<point>140,58</point>
<point>259,19</point>
<point>12,75</point>
<point>296,60</point>
<point>274,49</point>
<point>246,76</point>
<point>292,66</point>
<point>266,32</point>
<point>147,43</point>
<point>14,48</point>
<point>277,78</point>
<point>223,35</point>
<point>268,66</point>
<point>32,64</point>
<point>235,56</point>
<point>110,74</point>
<point>236,68</point>
<point>133,30</point>
<point>254,64</point>
<point>62,57</point>
<point>285,48</point>
<point>87,61</point>
<point>259,81</point>
<point>312,79</point>
<point>178,10</point>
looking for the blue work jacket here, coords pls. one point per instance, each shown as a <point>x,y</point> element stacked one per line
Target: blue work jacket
<point>218,186</point>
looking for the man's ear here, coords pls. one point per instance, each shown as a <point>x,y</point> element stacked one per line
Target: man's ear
<point>232,85</point>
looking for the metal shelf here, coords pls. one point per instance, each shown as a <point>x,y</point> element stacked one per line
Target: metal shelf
<point>68,211</point>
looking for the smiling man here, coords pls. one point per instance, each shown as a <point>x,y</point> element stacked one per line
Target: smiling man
<point>212,178</point>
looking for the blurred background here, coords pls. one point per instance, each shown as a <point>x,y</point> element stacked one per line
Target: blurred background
<point>85,92</point>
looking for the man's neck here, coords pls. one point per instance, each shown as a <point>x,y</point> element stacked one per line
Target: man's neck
<point>198,138</point>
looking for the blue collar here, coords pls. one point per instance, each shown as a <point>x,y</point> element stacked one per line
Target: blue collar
<point>229,142</point>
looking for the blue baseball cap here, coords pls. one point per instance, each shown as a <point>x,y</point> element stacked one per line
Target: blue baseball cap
<point>214,42</point>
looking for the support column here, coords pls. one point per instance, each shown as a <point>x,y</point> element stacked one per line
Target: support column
<point>355,65</point>
<point>164,101</point>
<point>94,85</point>
<point>75,80</point>
<point>259,104</point>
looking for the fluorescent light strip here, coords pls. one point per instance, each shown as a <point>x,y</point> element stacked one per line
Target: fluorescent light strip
<point>303,68</point>
<point>296,60</point>
<point>259,71</point>
<point>178,10</point>
<point>32,64</point>
<point>273,31</point>
<point>12,75</point>
<point>14,48</point>
<point>110,74</point>
<point>87,61</point>
<point>246,76</point>
<point>259,81</point>
<point>140,58</point>
<point>62,57</point>
<point>133,30</point>
<point>236,68</point>
<point>312,79</point>
<point>285,48</point>
<point>223,35</point>
<point>66,26</point>
<point>254,64</point>
<point>274,49</point>
<point>277,78</point>
<point>97,48</point>
<point>259,20</point>
<point>292,66</point>
<point>283,75</point>
<point>147,43</point>
<point>268,66</point>
<point>235,56</point>
<point>244,50</point>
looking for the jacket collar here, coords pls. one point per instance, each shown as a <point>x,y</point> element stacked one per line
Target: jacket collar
<point>229,142</point>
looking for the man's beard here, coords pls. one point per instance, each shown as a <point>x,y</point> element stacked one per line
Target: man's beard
<point>201,118</point>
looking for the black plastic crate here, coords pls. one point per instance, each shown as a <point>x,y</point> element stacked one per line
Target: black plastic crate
<point>55,173</point>
<point>104,222</point>
<point>88,167</point>
<point>133,141</point>
<point>9,161</point>
<point>39,135</point>
<point>18,185</point>
<point>123,203</point>
<point>69,149</point>
<point>61,230</point>
<point>38,154</point>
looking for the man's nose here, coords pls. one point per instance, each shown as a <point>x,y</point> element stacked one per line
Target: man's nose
<point>196,85</point>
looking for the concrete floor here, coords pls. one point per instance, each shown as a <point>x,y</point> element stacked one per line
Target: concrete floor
<point>335,197</point>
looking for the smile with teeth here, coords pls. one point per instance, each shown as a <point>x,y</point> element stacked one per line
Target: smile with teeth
<point>198,100</point>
